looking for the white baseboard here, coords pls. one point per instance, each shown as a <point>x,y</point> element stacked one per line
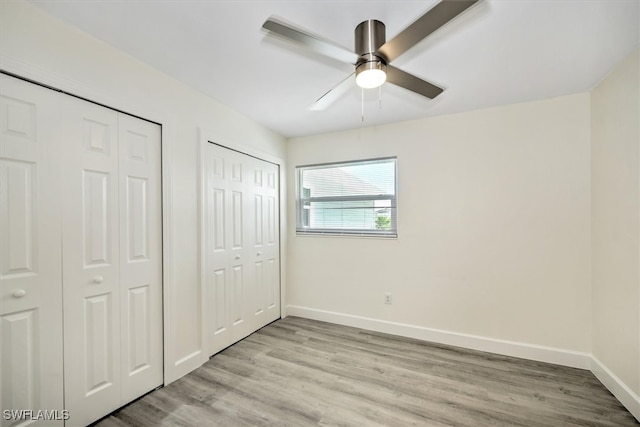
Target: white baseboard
<point>558,356</point>
<point>624,394</point>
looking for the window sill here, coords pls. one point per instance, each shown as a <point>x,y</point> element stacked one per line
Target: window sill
<point>350,235</point>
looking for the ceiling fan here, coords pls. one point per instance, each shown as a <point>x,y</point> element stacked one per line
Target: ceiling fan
<point>373,54</point>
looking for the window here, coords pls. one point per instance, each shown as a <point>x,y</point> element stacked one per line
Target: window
<point>350,198</point>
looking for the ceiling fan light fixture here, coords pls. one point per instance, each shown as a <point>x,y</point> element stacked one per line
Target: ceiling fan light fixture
<point>371,74</point>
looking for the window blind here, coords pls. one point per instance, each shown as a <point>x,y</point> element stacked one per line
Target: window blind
<point>354,198</point>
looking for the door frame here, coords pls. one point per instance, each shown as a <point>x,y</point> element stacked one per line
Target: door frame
<point>206,137</point>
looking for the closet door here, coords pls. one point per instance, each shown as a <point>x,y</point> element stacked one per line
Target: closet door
<point>140,256</point>
<point>226,253</point>
<point>112,260</point>
<point>264,243</point>
<point>30,258</point>
<point>241,245</point>
<point>80,256</point>
<point>91,242</point>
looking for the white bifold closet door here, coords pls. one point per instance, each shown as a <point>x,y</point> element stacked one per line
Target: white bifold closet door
<point>241,245</point>
<point>112,259</point>
<point>91,213</point>
<point>30,252</point>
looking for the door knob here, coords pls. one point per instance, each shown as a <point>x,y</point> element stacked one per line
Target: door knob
<point>98,279</point>
<point>259,253</point>
<point>19,293</point>
<point>237,256</point>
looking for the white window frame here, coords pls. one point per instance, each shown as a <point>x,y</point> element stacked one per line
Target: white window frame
<point>302,201</point>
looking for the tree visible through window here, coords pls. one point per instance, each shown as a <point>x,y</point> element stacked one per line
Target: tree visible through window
<point>347,198</point>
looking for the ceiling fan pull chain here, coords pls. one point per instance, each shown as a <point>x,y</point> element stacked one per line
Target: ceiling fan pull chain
<point>379,97</point>
<point>362,104</point>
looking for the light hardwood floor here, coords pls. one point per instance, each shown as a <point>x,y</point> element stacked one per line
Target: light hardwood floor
<point>300,372</point>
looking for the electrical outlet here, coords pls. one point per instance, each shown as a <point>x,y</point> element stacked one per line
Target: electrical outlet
<point>387,298</point>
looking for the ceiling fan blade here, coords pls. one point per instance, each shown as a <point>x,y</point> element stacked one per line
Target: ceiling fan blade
<point>332,96</point>
<point>433,19</point>
<point>411,82</point>
<point>312,42</point>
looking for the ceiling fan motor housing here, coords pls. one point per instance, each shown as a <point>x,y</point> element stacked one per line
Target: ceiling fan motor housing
<point>369,36</point>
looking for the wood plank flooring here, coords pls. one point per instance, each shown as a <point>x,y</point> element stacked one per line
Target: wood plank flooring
<point>300,372</point>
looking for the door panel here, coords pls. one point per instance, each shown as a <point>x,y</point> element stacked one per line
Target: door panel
<point>271,249</point>
<point>238,213</point>
<point>98,341</point>
<point>271,220</point>
<point>139,344</point>
<point>30,257</point>
<point>237,300</point>
<point>91,243</point>
<point>219,297</point>
<point>98,220</point>
<point>224,233</point>
<point>218,289</point>
<point>19,217</point>
<point>220,221</point>
<point>273,283</point>
<point>140,256</point>
<point>266,246</point>
<point>20,355</point>
<point>236,219</point>
<point>259,288</point>
<point>257,221</point>
<point>137,243</point>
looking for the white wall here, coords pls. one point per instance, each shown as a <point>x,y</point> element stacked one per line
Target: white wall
<point>494,232</point>
<point>615,168</point>
<point>37,46</point>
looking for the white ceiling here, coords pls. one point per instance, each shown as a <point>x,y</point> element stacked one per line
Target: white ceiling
<point>497,52</point>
